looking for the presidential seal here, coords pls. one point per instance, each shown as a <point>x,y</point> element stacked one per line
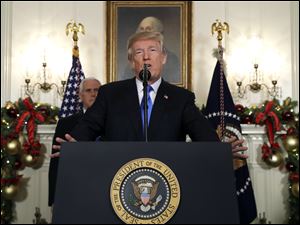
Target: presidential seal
<point>145,191</point>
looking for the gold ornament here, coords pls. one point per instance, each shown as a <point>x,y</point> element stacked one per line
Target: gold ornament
<point>13,147</point>
<point>29,160</point>
<point>287,101</point>
<point>9,105</point>
<point>295,189</point>
<point>10,191</point>
<point>290,143</point>
<point>253,107</point>
<point>11,110</point>
<point>274,159</point>
<point>293,151</point>
<point>278,108</point>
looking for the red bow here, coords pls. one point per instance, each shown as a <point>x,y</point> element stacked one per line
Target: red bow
<point>30,115</point>
<point>266,117</point>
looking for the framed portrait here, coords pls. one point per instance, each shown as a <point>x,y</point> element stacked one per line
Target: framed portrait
<point>172,19</point>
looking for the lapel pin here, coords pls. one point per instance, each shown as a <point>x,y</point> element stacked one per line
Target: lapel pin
<point>166,96</point>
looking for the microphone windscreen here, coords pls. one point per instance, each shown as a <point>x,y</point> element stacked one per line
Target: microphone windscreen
<point>141,75</point>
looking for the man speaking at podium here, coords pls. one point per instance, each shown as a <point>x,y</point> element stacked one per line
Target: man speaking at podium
<point>118,112</point>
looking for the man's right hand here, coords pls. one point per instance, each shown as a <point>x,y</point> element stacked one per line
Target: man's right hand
<point>68,137</point>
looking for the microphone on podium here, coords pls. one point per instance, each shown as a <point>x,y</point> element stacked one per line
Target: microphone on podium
<point>145,75</point>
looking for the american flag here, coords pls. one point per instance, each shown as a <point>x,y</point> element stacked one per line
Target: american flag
<point>71,103</point>
<point>220,111</point>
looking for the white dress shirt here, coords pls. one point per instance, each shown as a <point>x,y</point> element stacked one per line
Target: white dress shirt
<point>140,88</point>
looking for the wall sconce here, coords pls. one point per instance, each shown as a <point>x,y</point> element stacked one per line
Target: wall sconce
<point>45,86</point>
<point>255,86</point>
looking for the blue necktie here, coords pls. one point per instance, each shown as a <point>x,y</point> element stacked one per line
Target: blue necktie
<point>149,103</point>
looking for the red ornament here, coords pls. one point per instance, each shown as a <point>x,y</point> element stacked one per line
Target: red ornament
<point>291,131</point>
<point>12,112</point>
<point>294,177</point>
<point>19,165</point>
<point>283,136</point>
<point>290,167</point>
<point>287,116</point>
<point>247,120</point>
<point>239,108</point>
<point>44,110</point>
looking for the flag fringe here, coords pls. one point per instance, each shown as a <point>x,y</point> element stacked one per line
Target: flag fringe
<point>218,54</point>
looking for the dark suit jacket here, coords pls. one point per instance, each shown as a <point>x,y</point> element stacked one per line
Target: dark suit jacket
<point>64,126</point>
<point>116,116</point>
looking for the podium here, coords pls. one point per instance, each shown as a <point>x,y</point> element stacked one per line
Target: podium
<point>204,172</point>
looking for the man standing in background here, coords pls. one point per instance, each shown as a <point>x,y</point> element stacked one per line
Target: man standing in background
<point>88,91</point>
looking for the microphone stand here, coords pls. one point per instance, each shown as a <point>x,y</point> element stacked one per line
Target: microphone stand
<point>145,76</point>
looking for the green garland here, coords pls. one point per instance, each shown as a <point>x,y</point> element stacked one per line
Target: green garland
<point>287,144</point>
<point>17,151</point>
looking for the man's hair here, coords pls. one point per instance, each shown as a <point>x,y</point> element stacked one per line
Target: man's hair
<point>157,36</point>
<point>86,79</point>
<point>156,24</point>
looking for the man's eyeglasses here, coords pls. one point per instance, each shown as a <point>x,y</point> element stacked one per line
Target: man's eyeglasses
<point>90,90</point>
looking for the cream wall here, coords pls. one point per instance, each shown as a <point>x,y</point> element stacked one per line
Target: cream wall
<point>24,23</point>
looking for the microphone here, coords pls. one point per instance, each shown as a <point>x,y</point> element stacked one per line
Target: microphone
<point>145,74</point>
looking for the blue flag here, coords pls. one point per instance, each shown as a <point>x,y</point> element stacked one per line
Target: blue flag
<point>220,111</point>
<point>71,103</point>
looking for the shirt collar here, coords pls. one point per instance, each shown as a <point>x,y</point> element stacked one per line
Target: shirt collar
<point>155,85</point>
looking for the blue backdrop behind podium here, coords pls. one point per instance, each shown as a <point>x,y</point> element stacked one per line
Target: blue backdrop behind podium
<point>204,171</point>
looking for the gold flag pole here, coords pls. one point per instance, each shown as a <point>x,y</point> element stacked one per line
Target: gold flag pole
<point>73,27</point>
<point>219,28</point>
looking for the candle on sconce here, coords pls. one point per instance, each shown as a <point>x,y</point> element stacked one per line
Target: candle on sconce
<point>250,75</point>
<point>62,78</point>
<point>64,81</point>
<point>27,76</point>
<point>238,77</point>
<point>273,76</point>
<point>44,55</point>
<point>260,76</point>
<point>65,76</point>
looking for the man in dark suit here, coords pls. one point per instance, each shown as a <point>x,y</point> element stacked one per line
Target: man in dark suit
<point>88,91</point>
<point>116,114</point>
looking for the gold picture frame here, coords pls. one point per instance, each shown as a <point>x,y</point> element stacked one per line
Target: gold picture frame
<point>123,18</point>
